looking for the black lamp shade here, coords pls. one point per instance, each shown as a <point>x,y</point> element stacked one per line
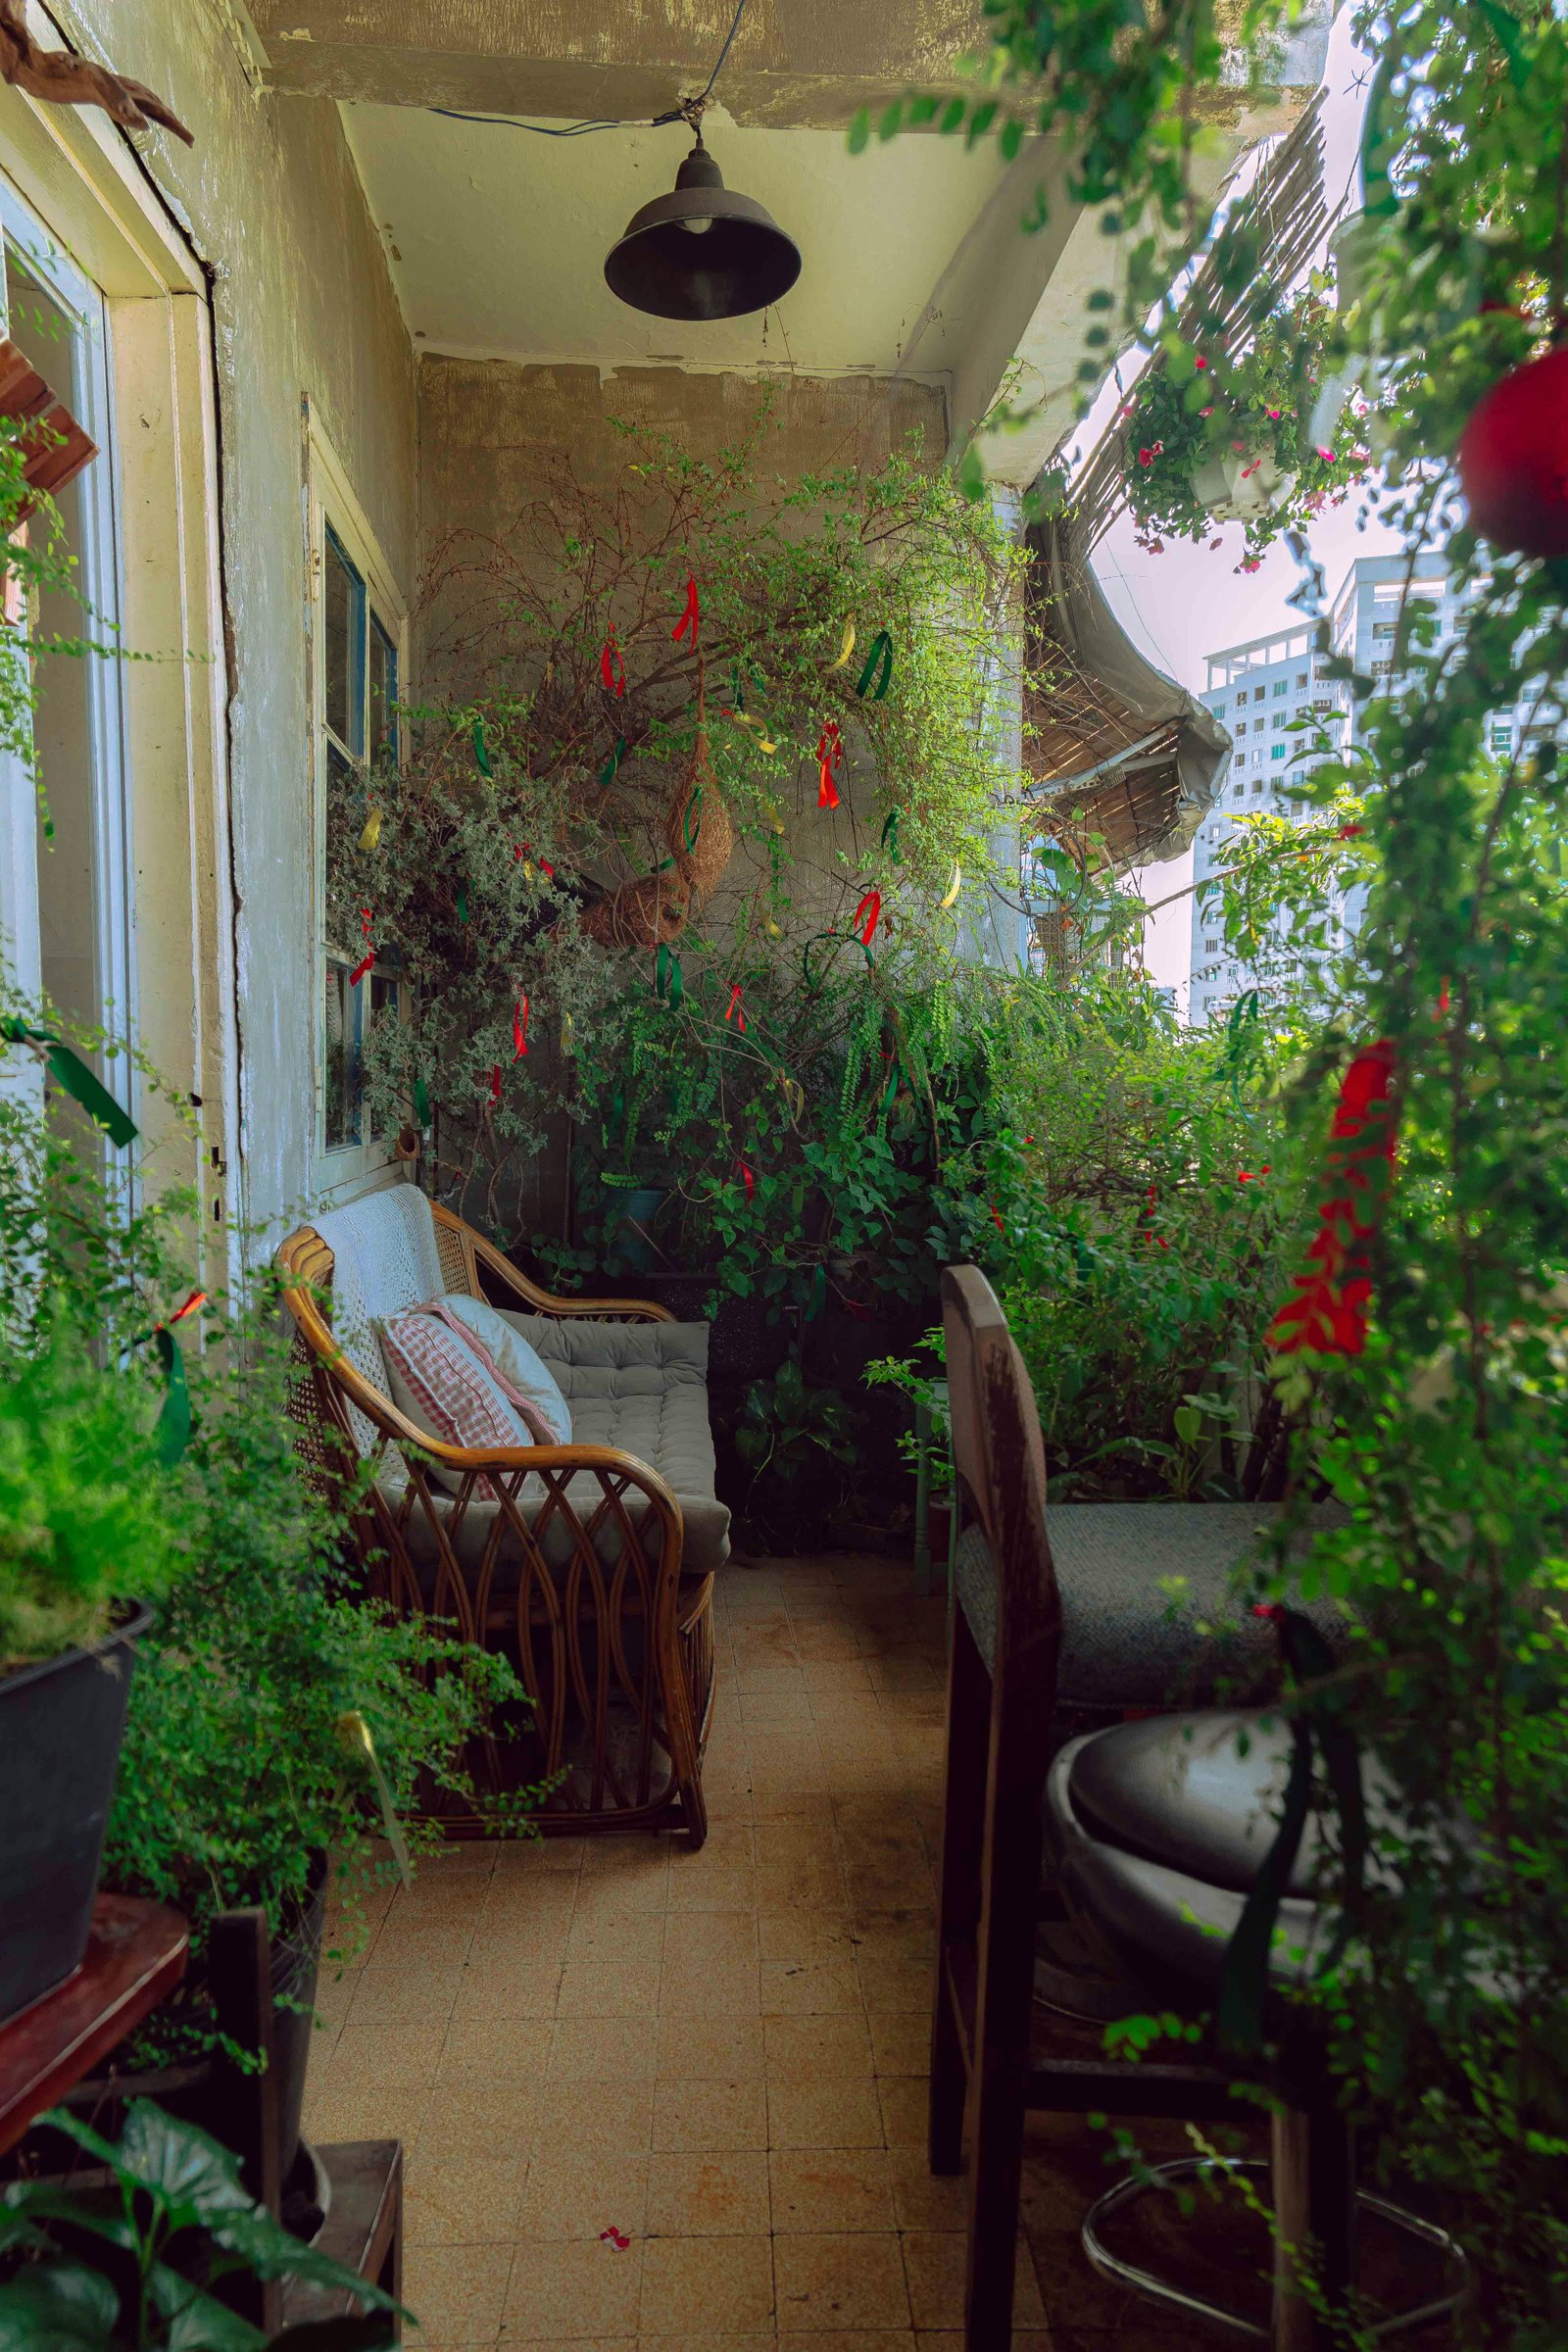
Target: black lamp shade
<point>702,252</point>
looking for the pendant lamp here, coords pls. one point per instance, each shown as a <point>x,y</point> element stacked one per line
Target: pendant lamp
<point>702,251</point>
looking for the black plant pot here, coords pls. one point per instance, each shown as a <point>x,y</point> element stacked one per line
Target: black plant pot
<point>296,1957</point>
<point>61,1725</point>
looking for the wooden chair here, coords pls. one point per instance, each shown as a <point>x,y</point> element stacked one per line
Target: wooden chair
<point>995,2053</point>
<point>575,1571</point>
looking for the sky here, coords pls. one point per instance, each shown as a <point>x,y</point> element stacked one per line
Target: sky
<point>1190,601</point>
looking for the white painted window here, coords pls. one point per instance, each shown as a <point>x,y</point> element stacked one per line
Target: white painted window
<point>359,651</point>
<point>66,924</point>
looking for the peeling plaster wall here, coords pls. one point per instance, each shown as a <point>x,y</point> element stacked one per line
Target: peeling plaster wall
<point>303,306</point>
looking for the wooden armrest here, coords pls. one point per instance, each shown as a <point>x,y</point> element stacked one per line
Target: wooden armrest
<point>547,1302</point>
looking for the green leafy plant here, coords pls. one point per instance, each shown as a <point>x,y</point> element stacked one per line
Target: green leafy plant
<point>1200,415</point>
<point>787,1428</point>
<point>85,1514</point>
<point>927,1444</point>
<point>133,2265</point>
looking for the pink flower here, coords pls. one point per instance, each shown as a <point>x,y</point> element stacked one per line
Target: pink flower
<point>1208,412</point>
<point>1200,362</point>
<point>1327,456</point>
<point>1274,416</point>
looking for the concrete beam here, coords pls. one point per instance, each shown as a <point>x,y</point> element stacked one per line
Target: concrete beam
<point>806,63</point>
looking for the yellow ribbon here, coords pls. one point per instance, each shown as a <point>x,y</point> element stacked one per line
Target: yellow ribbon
<point>567,1031</point>
<point>372,830</point>
<point>794,1094</point>
<point>355,1733</point>
<point>845,649</point>
<point>957,884</point>
<point>744,719</point>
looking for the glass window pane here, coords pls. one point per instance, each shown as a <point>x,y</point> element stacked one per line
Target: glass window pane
<point>343,593</point>
<point>384,694</point>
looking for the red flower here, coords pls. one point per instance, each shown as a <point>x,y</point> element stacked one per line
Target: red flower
<point>1146,457</point>
<point>1200,362</point>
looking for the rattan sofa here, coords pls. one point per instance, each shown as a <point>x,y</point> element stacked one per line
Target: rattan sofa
<point>588,1569</point>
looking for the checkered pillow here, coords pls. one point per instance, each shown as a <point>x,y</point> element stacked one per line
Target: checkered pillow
<point>440,1385</point>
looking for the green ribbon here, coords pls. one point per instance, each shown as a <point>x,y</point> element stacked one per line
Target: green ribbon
<point>1377,144</point>
<point>480,753</point>
<point>606,774</point>
<point>891,1091</point>
<point>691,823</point>
<point>421,1102</point>
<point>816,1296</point>
<point>667,977</point>
<point>878,659</point>
<point>463,902</point>
<point>174,1421</point>
<point>73,1077</point>
<point>890,835</point>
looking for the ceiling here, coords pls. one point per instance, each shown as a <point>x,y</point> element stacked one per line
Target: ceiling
<point>497,240</point>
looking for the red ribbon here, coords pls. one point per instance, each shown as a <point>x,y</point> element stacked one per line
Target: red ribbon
<point>734,1014</point>
<point>519,1028</point>
<point>525,849</point>
<point>870,908</point>
<point>1328,1311</point>
<point>368,957</point>
<point>691,617</point>
<point>197,1299</point>
<point>830,758</point>
<point>494,1083</point>
<point>611,668</point>
<point>747,1178</point>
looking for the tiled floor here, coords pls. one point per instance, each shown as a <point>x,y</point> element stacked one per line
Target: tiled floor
<point>718,2056</point>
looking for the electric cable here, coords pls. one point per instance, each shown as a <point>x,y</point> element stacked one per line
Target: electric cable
<point>689,111</point>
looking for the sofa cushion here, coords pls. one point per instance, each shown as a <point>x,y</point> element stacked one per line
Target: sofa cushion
<point>518,1367</point>
<point>642,1389</point>
<point>440,1384</point>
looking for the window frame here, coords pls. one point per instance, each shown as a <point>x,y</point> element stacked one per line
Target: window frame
<point>331,511</point>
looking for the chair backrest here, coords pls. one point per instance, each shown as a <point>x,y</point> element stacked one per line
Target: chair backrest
<point>382,1257</point>
<point>999,1464</point>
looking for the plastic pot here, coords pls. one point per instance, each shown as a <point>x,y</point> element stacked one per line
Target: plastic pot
<point>296,1958</point>
<point>1235,488</point>
<point>61,1726</point>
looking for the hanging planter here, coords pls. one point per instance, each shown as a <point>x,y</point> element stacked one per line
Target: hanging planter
<point>1212,438</point>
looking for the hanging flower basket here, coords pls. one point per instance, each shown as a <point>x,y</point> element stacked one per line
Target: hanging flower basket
<point>1237,486</point>
<point>1214,437</point>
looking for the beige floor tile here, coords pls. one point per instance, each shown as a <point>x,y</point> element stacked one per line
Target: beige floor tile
<point>403,1993</point>
<point>903,1937</point>
<point>905,2110</point>
<point>492,1997</point>
<point>934,2261</point>
<point>335,1990</point>
<point>718,1987</point>
<point>517,1899</point>
<point>564,2288</point>
<point>824,2115</point>
<point>901,2042</point>
<point>626,1890</point>
<point>836,1673</point>
<point>749,2340</point>
<point>602,2050</point>
<point>505,1941</point>
<point>471,2116</point>
<point>923,2199</point>
<point>805,1937</point>
<point>585,2118</point>
<point>364,2111</point>
<point>775,1710</point>
<point>701,2047</point>
<point>849,2279</point>
<point>830,2190</point>
<point>460,2204</point>
<point>798,1867</point>
<point>714,2196</point>
<point>457,2292</point>
<point>809,1988</point>
<point>525,1854</point>
<point>600,1932</point>
<point>792,1808</point>
<point>703,1940</point>
<point>416,1941</point>
<point>715,2283</point>
<point>847,2339</point>
<point>811,2050</point>
<point>795,1765</point>
<point>370,2057</point>
<point>822,1638</point>
<point>609,1989</point>
<point>513,2049</point>
<point>639,1852</point>
<point>774,1674</point>
<point>698,2116</point>
<point>904,1985</point>
<point>579,2196</point>
<point>944,2340</point>
<point>904,1670</point>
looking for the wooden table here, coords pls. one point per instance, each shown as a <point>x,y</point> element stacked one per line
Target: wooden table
<point>135,1957</point>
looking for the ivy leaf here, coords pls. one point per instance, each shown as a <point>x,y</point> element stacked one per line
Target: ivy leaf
<point>891,120</point>
<point>1011,139</point>
<point>860,137</point>
<point>952,115</point>
<point>63,2307</point>
<point>980,121</point>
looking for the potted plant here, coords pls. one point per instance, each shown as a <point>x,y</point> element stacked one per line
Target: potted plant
<point>86,1539</point>
<point>140,2263</point>
<point>1210,437</point>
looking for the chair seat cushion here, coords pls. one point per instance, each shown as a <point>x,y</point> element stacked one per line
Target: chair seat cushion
<point>1148,1604</point>
<point>1157,1830</point>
